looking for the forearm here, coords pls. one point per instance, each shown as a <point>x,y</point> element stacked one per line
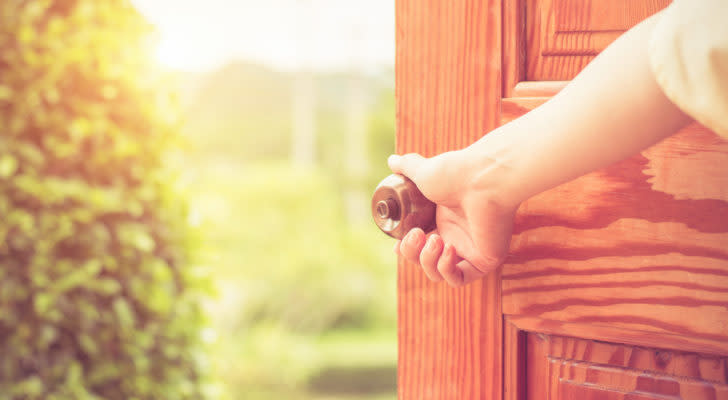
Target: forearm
<point>611,110</point>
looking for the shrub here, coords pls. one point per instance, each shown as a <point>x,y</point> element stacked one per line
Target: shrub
<point>97,299</point>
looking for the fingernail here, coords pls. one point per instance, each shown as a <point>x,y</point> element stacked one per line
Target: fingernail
<point>393,159</point>
<point>430,242</point>
<point>410,238</point>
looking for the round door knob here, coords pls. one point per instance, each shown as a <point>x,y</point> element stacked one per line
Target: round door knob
<point>398,206</point>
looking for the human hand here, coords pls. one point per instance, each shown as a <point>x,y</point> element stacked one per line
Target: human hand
<point>473,227</point>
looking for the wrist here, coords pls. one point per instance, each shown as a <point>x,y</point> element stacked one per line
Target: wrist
<point>491,169</point>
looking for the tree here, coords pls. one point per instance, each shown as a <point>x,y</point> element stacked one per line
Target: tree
<point>97,298</point>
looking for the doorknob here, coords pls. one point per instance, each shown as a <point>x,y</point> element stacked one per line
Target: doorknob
<point>398,206</point>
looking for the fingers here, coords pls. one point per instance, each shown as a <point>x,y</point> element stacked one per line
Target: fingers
<point>430,255</point>
<point>406,165</point>
<point>469,272</point>
<point>426,252</point>
<point>439,261</point>
<point>455,270</point>
<point>447,267</point>
<point>412,244</point>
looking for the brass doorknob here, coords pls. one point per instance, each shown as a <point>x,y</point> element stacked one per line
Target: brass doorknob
<point>398,206</point>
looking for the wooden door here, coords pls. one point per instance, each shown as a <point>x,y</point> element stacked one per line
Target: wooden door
<point>447,87</point>
<point>617,283</point>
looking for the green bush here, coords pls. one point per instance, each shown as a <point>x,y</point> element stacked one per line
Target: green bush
<point>97,297</point>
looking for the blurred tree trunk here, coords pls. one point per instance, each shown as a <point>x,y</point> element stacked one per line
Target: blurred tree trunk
<point>356,197</point>
<point>303,129</point>
<point>303,152</point>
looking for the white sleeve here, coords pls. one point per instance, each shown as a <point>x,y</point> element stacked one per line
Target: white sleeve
<point>688,54</point>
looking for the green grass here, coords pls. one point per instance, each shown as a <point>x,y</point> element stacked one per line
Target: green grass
<point>306,305</point>
<point>306,301</point>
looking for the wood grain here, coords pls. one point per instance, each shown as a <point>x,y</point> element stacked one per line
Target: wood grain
<point>601,15</point>
<point>611,333</point>
<point>635,254</point>
<point>582,369</point>
<point>563,36</point>
<point>536,376</point>
<point>448,86</point>
<point>514,362</point>
<point>641,244</point>
<point>514,45</point>
<point>512,108</point>
<point>538,88</point>
<point>539,34</point>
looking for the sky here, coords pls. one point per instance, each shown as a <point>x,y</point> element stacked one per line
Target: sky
<point>201,35</point>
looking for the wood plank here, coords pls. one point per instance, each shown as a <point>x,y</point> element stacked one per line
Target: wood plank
<point>538,88</point>
<point>642,244</point>
<point>448,88</point>
<point>584,369</point>
<point>537,367</point>
<point>578,43</point>
<point>540,33</point>
<point>514,362</point>
<point>563,36</point>
<point>602,15</point>
<point>512,108</point>
<point>514,45</point>
<point>615,334</point>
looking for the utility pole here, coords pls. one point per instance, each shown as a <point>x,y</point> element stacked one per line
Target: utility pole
<point>303,121</point>
<point>356,197</point>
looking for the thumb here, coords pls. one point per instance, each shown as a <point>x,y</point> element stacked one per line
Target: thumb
<point>407,165</point>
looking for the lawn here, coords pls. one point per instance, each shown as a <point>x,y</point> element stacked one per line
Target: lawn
<point>305,305</point>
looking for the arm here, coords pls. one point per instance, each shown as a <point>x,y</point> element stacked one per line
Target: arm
<point>611,110</point>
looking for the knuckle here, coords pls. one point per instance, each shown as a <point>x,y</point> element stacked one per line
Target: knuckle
<point>486,264</point>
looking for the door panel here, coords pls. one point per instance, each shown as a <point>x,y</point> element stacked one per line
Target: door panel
<point>641,244</point>
<point>599,15</point>
<point>563,36</point>
<point>570,368</point>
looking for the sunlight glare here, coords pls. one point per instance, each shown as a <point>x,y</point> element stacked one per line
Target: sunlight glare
<point>178,50</point>
<point>287,34</point>
<point>172,54</point>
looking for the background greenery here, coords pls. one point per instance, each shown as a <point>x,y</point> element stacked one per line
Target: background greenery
<point>306,296</point>
<point>98,295</point>
<point>125,227</point>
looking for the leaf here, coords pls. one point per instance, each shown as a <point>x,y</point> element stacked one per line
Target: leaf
<point>78,277</point>
<point>142,241</point>
<point>8,165</point>
<point>87,344</point>
<point>26,34</point>
<point>32,386</point>
<point>42,303</point>
<point>124,313</point>
<point>5,92</point>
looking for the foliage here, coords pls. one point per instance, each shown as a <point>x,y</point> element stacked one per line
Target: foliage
<point>289,270</point>
<point>301,289</point>
<point>97,298</point>
<point>244,109</point>
<point>381,137</point>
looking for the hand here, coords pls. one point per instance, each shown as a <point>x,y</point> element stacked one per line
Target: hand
<point>473,228</point>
